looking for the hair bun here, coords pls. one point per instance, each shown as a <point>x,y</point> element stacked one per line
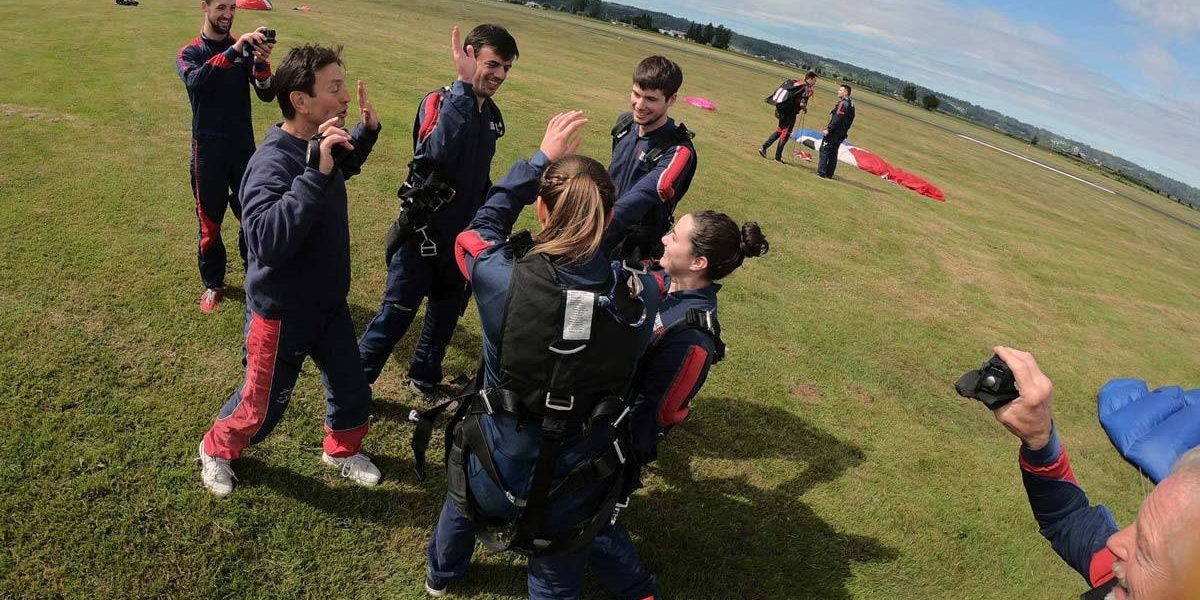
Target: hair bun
<point>754,243</point>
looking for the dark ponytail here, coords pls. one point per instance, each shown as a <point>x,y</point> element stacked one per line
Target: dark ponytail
<point>718,238</point>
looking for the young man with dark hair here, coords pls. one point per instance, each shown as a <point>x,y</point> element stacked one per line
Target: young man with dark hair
<point>651,169</point>
<point>454,138</point>
<point>840,120</point>
<point>216,67</point>
<point>790,100</point>
<point>298,234</point>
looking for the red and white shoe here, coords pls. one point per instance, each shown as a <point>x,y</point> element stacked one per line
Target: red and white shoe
<point>210,298</point>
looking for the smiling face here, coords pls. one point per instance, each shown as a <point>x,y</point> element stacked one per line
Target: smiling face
<point>491,70</point>
<point>678,259</point>
<point>1152,552</point>
<point>649,106</point>
<point>219,14</point>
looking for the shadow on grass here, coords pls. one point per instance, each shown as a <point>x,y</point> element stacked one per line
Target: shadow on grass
<point>384,505</point>
<point>723,526</point>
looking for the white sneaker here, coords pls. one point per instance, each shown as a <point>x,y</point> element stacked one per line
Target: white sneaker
<point>356,467</point>
<point>215,473</point>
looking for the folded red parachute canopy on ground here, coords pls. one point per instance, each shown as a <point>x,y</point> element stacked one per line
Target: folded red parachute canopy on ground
<point>872,163</point>
<point>254,4</point>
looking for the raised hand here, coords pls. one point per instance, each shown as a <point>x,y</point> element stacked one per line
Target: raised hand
<point>369,118</point>
<point>464,58</point>
<point>563,134</point>
<point>1029,417</point>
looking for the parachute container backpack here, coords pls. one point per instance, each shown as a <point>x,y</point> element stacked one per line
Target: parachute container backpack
<point>565,363</point>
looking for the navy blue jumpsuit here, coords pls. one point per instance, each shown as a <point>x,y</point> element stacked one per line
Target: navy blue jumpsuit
<point>647,194</point>
<point>458,140</point>
<point>216,77</point>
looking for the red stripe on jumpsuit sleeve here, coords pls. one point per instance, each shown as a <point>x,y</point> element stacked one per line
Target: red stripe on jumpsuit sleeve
<point>468,242</point>
<point>672,409</point>
<point>669,177</point>
<point>430,119</point>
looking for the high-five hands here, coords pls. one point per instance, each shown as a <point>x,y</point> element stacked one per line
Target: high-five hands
<point>563,134</point>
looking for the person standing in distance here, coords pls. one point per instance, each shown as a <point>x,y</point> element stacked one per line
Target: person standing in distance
<point>794,101</point>
<point>840,120</point>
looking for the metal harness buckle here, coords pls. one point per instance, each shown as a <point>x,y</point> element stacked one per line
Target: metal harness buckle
<point>559,403</point>
<point>486,403</point>
<point>428,248</point>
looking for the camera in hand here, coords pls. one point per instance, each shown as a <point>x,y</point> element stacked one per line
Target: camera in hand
<point>993,384</point>
<point>270,35</point>
<point>339,154</point>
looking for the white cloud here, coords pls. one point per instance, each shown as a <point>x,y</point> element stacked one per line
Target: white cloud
<point>1171,16</point>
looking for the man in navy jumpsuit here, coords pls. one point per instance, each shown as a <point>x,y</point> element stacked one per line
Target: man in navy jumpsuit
<point>456,137</point>
<point>216,68</point>
<point>801,93</point>
<point>840,120</point>
<point>297,230</point>
<point>1148,558</point>
<point>648,193</point>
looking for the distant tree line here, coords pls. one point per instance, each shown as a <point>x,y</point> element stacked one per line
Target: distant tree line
<point>717,37</point>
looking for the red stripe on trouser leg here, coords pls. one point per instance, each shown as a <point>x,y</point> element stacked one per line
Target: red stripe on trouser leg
<point>345,442</point>
<point>209,230</point>
<point>229,436</point>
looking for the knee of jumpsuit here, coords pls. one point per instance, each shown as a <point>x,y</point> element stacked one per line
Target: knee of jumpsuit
<point>381,336</point>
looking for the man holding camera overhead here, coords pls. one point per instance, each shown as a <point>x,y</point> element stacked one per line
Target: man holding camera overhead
<point>216,68</point>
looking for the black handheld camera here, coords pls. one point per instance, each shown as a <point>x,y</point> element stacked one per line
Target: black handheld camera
<point>993,384</point>
<point>270,35</point>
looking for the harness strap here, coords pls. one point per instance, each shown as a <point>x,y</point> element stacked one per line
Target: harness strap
<point>695,318</point>
<point>532,517</point>
<point>423,432</point>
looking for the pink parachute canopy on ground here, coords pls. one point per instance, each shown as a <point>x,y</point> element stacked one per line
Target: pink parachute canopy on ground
<point>700,102</point>
<point>254,4</point>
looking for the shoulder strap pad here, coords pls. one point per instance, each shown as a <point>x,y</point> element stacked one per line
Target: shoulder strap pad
<point>621,127</point>
<point>438,95</point>
<point>521,243</point>
<point>681,137</point>
<point>702,320</point>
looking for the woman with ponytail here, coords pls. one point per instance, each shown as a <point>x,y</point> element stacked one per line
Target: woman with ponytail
<point>536,458</point>
<point>703,247</point>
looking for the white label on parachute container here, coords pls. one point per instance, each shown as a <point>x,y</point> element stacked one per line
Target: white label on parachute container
<point>577,320</point>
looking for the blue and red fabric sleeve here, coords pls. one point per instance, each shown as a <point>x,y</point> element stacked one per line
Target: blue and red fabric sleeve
<point>493,222</point>
<point>660,185</point>
<point>670,379</point>
<point>194,70</point>
<point>442,129</point>
<point>260,75</point>
<point>1076,530</point>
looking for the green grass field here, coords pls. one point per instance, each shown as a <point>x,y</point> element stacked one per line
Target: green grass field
<point>827,457</point>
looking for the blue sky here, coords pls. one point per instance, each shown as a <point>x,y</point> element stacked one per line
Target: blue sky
<point>1120,75</point>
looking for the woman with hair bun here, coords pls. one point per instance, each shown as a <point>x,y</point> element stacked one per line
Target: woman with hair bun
<point>703,248</point>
